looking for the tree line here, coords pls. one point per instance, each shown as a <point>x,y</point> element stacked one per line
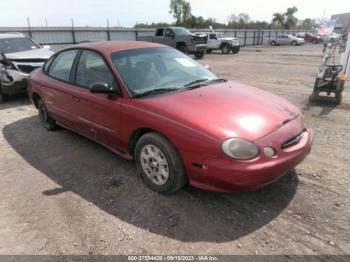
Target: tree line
<point>182,13</point>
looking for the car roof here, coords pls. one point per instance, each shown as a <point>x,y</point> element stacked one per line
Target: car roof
<point>11,35</point>
<point>116,46</point>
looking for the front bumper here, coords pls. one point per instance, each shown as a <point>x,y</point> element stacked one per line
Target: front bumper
<point>227,175</point>
<point>15,83</point>
<point>198,48</point>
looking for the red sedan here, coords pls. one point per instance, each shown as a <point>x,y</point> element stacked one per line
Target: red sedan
<point>180,122</point>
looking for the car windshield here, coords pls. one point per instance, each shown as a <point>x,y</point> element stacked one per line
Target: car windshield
<point>147,69</point>
<point>16,44</point>
<point>180,31</point>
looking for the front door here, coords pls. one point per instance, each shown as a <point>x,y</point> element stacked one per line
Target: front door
<point>99,114</point>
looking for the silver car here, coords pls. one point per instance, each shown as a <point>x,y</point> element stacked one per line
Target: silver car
<point>286,40</point>
<point>19,55</point>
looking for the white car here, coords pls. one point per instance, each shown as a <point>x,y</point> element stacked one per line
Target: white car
<point>217,41</point>
<point>19,55</point>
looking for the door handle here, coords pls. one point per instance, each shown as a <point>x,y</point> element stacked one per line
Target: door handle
<point>76,99</point>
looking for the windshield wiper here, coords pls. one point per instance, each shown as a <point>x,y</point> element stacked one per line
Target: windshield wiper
<point>202,82</point>
<point>196,82</point>
<point>155,91</point>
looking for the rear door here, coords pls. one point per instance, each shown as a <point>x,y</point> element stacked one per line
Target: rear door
<point>57,88</point>
<point>99,114</point>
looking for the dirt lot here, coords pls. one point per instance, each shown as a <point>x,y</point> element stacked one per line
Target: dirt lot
<point>63,194</point>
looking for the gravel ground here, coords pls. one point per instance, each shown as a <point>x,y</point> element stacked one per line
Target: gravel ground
<point>63,194</point>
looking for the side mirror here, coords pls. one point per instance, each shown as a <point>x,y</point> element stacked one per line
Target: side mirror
<point>101,88</point>
<point>4,60</point>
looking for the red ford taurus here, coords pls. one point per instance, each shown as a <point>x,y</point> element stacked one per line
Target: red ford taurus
<point>180,122</point>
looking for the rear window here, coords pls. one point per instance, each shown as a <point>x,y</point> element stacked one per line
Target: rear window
<point>61,66</point>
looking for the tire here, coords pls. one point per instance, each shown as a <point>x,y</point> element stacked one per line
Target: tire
<point>183,49</point>
<point>48,122</point>
<point>314,41</point>
<point>2,97</point>
<point>273,43</point>
<point>199,55</point>
<point>209,51</point>
<point>294,43</point>
<point>151,151</point>
<point>225,49</point>
<point>338,97</point>
<point>235,50</point>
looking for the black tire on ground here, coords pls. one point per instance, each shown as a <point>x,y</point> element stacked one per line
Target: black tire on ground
<point>273,43</point>
<point>183,49</point>
<point>225,49</point>
<point>48,122</point>
<point>235,50</point>
<point>2,97</point>
<point>338,97</point>
<point>314,41</point>
<point>199,55</point>
<point>209,51</point>
<point>294,43</point>
<point>176,171</point>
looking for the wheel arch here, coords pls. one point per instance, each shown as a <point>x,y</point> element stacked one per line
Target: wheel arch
<point>35,97</point>
<point>178,44</point>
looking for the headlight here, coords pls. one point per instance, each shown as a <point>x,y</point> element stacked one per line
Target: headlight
<point>240,149</point>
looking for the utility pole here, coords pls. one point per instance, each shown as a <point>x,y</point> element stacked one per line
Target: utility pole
<point>29,29</point>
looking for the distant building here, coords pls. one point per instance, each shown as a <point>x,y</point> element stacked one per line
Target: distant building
<point>342,22</point>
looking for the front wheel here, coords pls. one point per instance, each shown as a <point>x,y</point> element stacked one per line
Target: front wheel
<point>199,55</point>
<point>48,122</point>
<point>273,43</point>
<point>235,50</point>
<point>294,43</point>
<point>225,49</point>
<point>159,164</point>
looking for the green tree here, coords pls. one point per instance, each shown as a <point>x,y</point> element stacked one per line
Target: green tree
<point>278,19</point>
<point>181,11</point>
<point>290,20</point>
<point>307,23</point>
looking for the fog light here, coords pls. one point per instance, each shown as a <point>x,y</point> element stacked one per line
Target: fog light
<point>269,151</point>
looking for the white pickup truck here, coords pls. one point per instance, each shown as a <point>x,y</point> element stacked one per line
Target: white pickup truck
<point>217,41</point>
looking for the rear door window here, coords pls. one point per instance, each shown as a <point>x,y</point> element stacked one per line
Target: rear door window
<point>61,66</point>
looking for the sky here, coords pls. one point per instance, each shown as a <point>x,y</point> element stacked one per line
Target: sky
<point>127,12</point>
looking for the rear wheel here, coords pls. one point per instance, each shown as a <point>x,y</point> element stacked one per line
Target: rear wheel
<point>273,43</point>
<point>209,51</point>
<point>48,122</point>
<point>159,164</point>
<point>294,43</point>
<point>314,41</point>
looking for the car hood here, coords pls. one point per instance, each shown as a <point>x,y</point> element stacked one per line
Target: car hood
<point>224,110</point>
<point>40,53</point>
<point>228,38</point>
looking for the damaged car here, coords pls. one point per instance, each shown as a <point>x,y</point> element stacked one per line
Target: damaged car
<point>19,56</point>
<point>180,122</point>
